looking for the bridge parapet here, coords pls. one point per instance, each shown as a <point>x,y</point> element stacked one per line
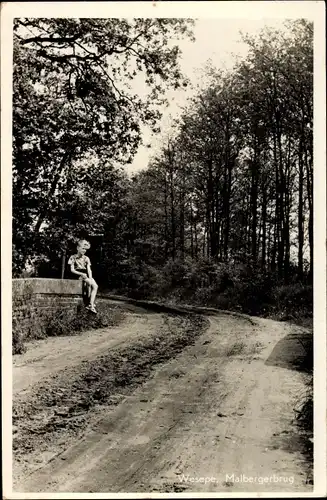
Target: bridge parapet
<point>35,299</point>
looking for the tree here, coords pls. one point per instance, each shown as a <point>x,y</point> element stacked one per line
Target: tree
<point>230,190</point>
<point>236,174</point>
<point>72,97</point>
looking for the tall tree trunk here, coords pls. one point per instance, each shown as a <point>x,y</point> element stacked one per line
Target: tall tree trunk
<point>264,227</point>
<point>226,202</point>
<point>275,236</point>
<point>287,213</point>
<point>281,187</point>
<point>218,221</point>
<point>182,218</point>
<point>227,217</point>
<point>196,239</point>
<point>279,202</point>
<point>172,213</point>
<point>309,179</point>
<point>191,229</point>
<point>204,238</point>
<point>268,260</point>
<point>254,207</point>
<point>300,213</point>
<point>166,217</point>
<point>211,210</point>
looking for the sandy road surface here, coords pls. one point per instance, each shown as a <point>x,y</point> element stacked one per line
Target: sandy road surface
<point>219,412</point>
<point>53,354</point>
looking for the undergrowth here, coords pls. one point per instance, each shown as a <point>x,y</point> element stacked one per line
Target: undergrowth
<point>304,410</point>
<point>18,345</point>
<point>64,322</point>
<point>73,323</point>
<point>233,286</point>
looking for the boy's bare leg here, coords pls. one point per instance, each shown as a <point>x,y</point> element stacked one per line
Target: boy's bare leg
<point>87,295</point>
<point>94,289</point>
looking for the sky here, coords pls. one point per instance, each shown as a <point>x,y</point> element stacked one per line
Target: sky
<point>218,40</point>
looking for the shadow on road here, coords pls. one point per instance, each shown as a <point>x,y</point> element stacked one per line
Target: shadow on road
<point>294,351</point>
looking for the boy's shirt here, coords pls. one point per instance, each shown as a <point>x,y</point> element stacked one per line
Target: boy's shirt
<point>80,263</point>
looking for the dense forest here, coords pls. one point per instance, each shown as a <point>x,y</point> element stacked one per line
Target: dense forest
<point>222,215</point>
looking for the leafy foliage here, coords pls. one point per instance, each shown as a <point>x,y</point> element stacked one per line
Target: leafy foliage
<point>223,215</point>
<point>72,100</point>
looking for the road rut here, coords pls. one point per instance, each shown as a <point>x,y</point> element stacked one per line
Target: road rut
<point>208,420</point>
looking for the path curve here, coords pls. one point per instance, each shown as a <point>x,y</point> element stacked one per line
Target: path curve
<point>209,420</point>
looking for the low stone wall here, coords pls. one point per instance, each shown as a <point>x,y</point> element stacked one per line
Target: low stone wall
<point>35,299</point>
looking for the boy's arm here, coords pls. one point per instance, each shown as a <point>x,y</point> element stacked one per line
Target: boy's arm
<point>73,270</point>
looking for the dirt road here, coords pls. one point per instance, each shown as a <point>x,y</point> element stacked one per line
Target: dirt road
<point>210,407</point>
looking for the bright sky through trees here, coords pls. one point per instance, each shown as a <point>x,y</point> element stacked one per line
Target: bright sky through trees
<point>217,40</point>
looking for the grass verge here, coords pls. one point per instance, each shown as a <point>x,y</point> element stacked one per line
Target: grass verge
<point>64,322</point>
<point>304,407</point>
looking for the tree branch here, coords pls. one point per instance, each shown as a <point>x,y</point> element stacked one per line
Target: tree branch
<point>50,39</point>
<point>65,57</point>
<point>114,86</point>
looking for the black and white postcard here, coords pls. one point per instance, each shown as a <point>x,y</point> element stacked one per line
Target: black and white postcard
<point>163,256</point>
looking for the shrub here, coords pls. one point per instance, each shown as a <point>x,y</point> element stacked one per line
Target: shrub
<point>71,323</point>
<point>304,410</point>
<point>238,284</point>
<point>293,301</point>
<point>65,323</point>
<point>304,415</point>
<point>18,346</point>
<point>35,330</point>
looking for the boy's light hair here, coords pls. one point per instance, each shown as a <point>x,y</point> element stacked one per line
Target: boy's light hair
<point>83,243</point>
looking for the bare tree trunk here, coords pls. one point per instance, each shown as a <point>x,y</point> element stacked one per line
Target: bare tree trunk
<point>268,260</point>
<point>309,178</point>
<point>166,217</point>
<point>196,239</point>
<point>191,227</point>
<point>264,228</point>
<point>172,213</point>
<point>182,224</point>
<point>287,213</point>
<point>300,213</point>
<point>211,211</point>
<point>281,189</point>
<point>254,208</point>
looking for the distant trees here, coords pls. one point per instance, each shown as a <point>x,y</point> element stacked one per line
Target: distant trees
<point>236,179</point>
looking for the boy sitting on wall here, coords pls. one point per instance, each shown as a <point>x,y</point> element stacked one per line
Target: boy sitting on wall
<point>80,266</point>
